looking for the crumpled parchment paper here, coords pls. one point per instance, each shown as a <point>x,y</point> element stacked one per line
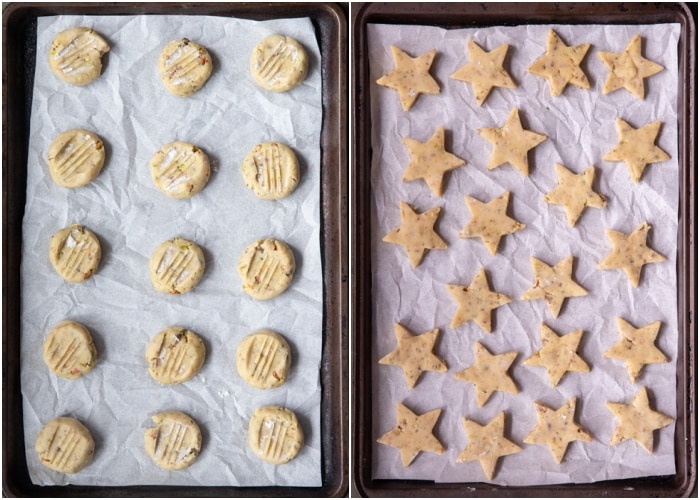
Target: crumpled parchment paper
<point>581,128</point>
<point>131,110</point>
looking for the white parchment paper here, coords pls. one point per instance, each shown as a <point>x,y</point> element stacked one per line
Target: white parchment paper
<point>580,125</point>
<point>131,110</point>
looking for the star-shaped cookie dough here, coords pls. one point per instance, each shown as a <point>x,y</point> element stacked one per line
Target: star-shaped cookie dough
<point>414,354</point>
<point>489,373</point>
<point>489,221</point>
<point>628,69</point>
<point>574,192</point>
<point>636,347</point>
<point>637,421</point>
<point>416,233</point>
<point>630,252</point>
<point>511,143</point>
<point>487,444</point>
<point>560,65</point>
<point>554,284</point>
<point>636,147</point>
<point>413,434</point>
<point>557,428</point>
<point>484,71</point>
<point>430,161</point>
<point>476,301</point>
<point>558,354</point>
<point>410,76</point>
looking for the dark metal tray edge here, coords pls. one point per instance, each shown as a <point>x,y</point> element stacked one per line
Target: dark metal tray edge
<point>488,14</point>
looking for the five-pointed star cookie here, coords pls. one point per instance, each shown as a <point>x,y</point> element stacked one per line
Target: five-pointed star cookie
<point>484,71</point>
<point>414,354</point>
<point>487,443</point>
<point>628,69</point>
<point>574,192</point>
<point>489,373</point>
<point>554,284</point>
<point>637,421</point>
<point>558,354</point>
<point>636,347</point>
<point>557,428</point>
<point>489,221</point>
<point>430,161</point>
<point>476,301</point>
<point>410,76</point>
<point>511,143</point>
<point>630,252</point>
<point>560,65</point>
<point>416,233</point>
<point>636,147</point>
<point>413,434</point>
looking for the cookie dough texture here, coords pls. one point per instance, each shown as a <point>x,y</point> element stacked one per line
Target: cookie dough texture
<point>75,253</point>
<point>76,157</point>
<point>266,268</point>
<point>180,169</point>
<point>65,445</point>
<point>413,433</point>
<point>76,55</point>
<point>176,266</point>
<point>274,434</point>
<point>175,442</point>
<point>263,359</point>
<point>279,63</point>
<point>175,355</point>
<point>416,233</point>
<point>411,76</point>
<point>271,170</point>
<point>184,67</point>
<point>69,350</point>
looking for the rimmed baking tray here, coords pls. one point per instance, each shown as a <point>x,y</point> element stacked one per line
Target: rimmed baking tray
<point>451,15</point>
<point>19,57</point>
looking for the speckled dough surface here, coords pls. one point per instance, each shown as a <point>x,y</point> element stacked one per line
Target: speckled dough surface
<point>271,170</point>
<point>176,266</point>
<point>175,442</point>
<point>65,445</point>
<point>75,253</point>
<point>184,67</point>
<point>266,268</point>
<point>180,169</point>
<point>175,355</point>
<point>69,350</point>
<point>76,55</point>
<point>279,63</point>
<point>263,359</point>
<point>76,157</point>
<point>274,434</point>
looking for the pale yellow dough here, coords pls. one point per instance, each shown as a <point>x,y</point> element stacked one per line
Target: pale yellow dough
<point>75,253</point>
<point>274,434</point>
<point>76,55</point>
<point>69,350</point>
<point>266,268</point>
<point>76,157</point>
<point>176,266</point>
<point>65,445</point>
<point>184,67</point>
<point>263,359</point>
<point>180,169</point>
<point>279,63</point>
<point>175,442</point>
<point>175,355</point>
<point>271,170</point>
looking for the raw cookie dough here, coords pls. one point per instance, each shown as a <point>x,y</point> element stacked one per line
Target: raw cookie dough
<point>558,354</point>
<point>553,283</point>
<point>175,442</point>
<point>263,359</point>
<point>484,71</point>
<point>416,233</point>
<point>274,434</point>
<point>430,161</point>
<point>266,268</point>
<point>184,67</point>
<point>489,373</point>
<point>636,420</point>
<point>630,252</point>
<point>413,434</point>
<point>561,65</point>
<point>489,221</point>
<point>557,428</point>
<point>175,355</point>
<point>628,69</point>
<point>487,443</point>
<point>180,169</point>
<point>69,350</point>
<point>176,266</point>
<point>65,445</point>
<point>636,147</point>
<point>574,192</point>
<point>476,301</point>
<point>271,170</point>
<point>279,63</point>
<point>636,347</point>
<point>410,76</point>
<point>76,55</point>
<point>75,158</point>
<point>75,253</point>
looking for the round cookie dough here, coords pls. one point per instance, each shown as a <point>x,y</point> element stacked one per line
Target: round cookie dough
<point>174,443</point>
<point>76,55</point>
<point>65,445</point>
<point>266,268</point>
<point>175,355</point>
<point>271,170</point>
<point>75,253</point>
<point>274,434</point>
<point>69,350</point>
<point>76,157</point>
<point>180,169</point>
<point>279,63</point>
<point>263,359</point>
<point>176,266</point>
<point>184,67</point>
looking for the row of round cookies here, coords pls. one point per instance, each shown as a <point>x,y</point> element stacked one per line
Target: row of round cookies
<point>180,170</point>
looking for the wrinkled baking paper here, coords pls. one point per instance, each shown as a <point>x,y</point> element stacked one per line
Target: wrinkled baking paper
<point>581,128</point>
<point>131,110</point>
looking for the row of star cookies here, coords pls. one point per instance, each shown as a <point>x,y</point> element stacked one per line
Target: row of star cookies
<point>556,428</point>
<point>560,65</point>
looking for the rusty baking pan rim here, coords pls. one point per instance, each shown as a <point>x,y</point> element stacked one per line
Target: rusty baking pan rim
<point>330,23</point>
<point>462,15</point>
